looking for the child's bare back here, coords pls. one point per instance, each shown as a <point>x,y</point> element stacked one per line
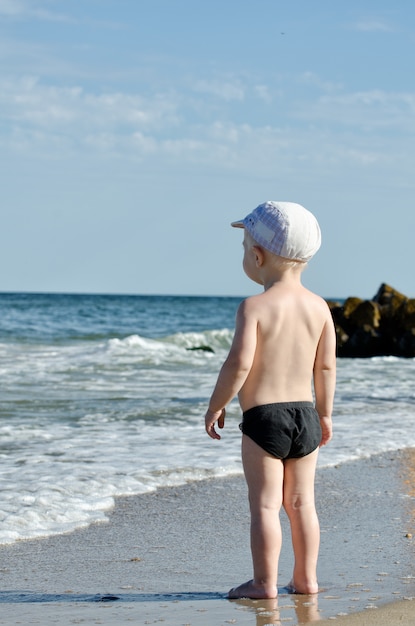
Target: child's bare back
<point>290,322</point>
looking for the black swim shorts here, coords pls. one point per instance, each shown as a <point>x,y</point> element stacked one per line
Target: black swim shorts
<point>286,430</point>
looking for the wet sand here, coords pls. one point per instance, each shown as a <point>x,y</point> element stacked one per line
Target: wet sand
<point>171,556</point>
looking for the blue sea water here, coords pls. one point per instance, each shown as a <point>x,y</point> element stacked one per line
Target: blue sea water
<point>105,396</point>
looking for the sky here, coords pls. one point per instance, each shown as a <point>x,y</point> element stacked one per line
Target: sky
<point>132,132</point>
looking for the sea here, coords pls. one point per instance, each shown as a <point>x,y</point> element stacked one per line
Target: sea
<point>105,395</point>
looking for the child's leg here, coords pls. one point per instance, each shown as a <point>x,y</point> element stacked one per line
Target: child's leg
<point>264,477</point>
<point>299,505</point>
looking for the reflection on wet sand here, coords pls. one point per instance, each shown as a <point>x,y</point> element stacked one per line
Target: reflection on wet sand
<point>276,611</point>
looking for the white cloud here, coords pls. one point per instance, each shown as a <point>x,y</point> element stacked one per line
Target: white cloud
<point>333,130</point>
<point>225,132</point>
<point>310,78</point>
<point>263,93</point>
<point>22,9</point>
<point>30,101</point>
<point>374,25</point>
<point>371,111</point>
<point>226,90</point>
<point>145,144</point>
<point>11,7</point>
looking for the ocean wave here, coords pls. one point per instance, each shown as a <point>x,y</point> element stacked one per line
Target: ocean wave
<point>180,347</point>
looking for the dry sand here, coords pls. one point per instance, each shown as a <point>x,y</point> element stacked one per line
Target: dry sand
<point>169,558</point>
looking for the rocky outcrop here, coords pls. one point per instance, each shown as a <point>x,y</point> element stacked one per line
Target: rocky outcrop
<point>382,326</point>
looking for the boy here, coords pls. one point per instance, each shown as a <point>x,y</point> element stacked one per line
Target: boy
<point>284,339</point>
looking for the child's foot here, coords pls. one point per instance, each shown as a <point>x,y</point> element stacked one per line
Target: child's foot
<point>306,589</point>
<point>252,590</point>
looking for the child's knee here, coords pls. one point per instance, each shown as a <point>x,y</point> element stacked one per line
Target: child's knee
<point>297,504</point>
<point>262,505</point>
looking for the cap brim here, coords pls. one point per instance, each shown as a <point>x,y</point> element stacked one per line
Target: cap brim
<point>238,224</point>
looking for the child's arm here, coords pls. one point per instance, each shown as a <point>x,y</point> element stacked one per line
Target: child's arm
<point>235,369</point>
<point>325,378</point>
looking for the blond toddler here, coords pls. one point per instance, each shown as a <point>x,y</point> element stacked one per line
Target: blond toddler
<point>282,365</point>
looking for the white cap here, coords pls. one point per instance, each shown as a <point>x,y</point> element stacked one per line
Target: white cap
<point>284,228</point>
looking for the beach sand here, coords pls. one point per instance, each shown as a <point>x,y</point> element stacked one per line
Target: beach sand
<point>169,557</point>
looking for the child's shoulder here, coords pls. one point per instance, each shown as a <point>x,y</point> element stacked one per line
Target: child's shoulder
<point>315,302</point>
<point>251,302</point>
<point>251,307</point>
<point>284,298</point>
<point>314,296</point>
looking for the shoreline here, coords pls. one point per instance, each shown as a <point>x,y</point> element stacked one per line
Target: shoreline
<point>173,554</point>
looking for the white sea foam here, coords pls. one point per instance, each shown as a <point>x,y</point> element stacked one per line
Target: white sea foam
<point>82,422</point>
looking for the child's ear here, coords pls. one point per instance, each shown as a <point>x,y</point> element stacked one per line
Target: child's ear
<point>259,255</point>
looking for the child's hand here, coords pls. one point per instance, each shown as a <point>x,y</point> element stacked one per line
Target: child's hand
<point>326,430</point>
<point>211,418</point>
